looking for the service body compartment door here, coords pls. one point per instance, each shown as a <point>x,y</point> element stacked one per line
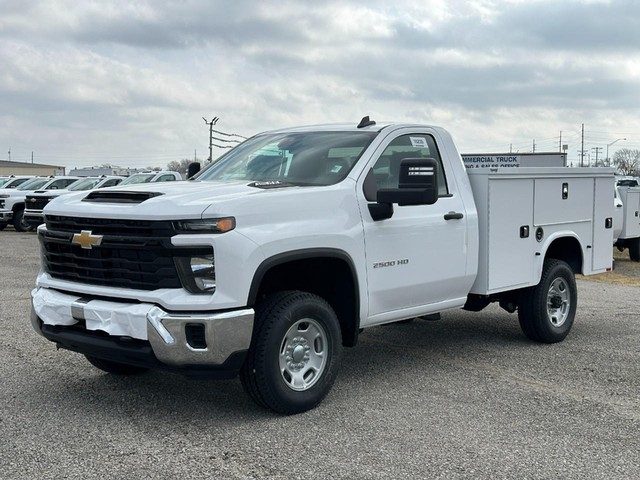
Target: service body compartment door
<point>603,212</point>
<point>511,237</point>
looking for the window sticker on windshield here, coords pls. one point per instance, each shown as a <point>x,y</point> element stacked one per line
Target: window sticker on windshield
<point>418,142</point>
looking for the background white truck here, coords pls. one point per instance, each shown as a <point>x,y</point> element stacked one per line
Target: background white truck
<point>274,258</point>
<point>12,201</point>
<point>37,200</point>
<point>627,220</point>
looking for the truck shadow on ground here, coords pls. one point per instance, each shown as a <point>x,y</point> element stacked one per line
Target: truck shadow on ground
<point>417,350</point>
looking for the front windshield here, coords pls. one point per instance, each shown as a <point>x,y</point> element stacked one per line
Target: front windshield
<point>86,184</point>
<point>304,158</point>
<point>138,178</point>
<point>34,184</point>
<point>4,181</point>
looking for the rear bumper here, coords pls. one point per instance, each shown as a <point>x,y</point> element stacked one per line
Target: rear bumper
<point>209,343</point>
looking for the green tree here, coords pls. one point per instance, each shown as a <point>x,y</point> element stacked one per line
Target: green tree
<point>627,161</point>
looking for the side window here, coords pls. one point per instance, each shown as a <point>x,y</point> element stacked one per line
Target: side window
<point>111,183</point>
<point>61,183</point>
<point>387,168</point>
<point>165,178</point>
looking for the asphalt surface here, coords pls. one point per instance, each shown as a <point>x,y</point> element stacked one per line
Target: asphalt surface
<point>464,397</point>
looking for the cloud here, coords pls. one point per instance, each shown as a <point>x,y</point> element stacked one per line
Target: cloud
<point>146,71</point>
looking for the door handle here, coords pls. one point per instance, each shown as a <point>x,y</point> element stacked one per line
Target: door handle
<point>453,216</point>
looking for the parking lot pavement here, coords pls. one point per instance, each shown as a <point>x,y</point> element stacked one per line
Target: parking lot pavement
<point>464,397</point>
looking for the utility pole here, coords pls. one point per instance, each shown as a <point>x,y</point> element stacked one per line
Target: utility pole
<point>560,142</point>
<point>597,149</point>
<point>213,121</point>
<point>534,145</point>
<point>582,148</point>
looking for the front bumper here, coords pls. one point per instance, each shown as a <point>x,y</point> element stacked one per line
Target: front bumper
<point>33,218</point>
<point>144,334</point>
<point>6,216</point>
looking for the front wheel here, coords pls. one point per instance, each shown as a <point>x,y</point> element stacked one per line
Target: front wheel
<point>295,352</point>
<point>19,222</point>
<point>3,225</point>
<point>546,311</point>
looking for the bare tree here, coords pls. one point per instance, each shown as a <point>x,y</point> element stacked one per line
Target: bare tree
<point>180,166</point>
<point>627,161</point>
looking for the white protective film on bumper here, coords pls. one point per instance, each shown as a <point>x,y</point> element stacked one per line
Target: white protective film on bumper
<point>115,318</point>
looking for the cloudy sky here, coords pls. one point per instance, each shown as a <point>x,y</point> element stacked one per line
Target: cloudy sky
<point>127,83</point>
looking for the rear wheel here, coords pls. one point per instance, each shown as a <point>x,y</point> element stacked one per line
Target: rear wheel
<point>115,367</point>
<point>634,249</point>
<point>294,354</point>
<point>19,222</point>
<point>546,311</point>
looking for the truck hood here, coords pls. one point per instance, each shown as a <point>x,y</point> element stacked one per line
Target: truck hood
<point>159,201</point>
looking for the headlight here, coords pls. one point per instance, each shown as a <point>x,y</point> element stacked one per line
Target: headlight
<point>197,273</point>
<point>6,195</point>
<point>208,225</point>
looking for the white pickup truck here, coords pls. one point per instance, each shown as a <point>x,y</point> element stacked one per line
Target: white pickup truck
<point>275,257</point>
<point>626,221</point>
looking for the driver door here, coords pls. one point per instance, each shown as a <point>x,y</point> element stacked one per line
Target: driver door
<point>415,260</point>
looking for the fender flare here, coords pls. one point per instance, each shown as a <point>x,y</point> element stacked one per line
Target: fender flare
<point>302,254</point>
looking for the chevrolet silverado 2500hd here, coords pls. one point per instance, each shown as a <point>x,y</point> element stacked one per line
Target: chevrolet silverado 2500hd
<point>273,258</point>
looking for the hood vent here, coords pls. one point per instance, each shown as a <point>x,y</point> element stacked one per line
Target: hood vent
<point>98,196</point>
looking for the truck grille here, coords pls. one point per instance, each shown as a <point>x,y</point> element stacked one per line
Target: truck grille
<point>36,203</point>
<point>132,254</point>
<point>107,226</point>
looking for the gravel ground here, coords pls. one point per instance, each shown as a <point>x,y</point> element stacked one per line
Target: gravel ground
<point>465,397</point>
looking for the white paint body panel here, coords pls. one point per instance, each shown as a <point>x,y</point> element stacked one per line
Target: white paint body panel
<point>508,200</point>
<point>480,253</point>
<point>630,212</point>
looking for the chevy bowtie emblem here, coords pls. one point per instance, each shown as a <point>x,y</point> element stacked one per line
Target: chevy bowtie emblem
<point>86,240</point>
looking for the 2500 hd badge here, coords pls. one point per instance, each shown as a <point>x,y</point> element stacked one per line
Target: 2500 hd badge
<point>392,263</point>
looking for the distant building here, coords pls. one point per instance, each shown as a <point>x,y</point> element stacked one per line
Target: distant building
<point>22,168</point>
<point>97,171</point>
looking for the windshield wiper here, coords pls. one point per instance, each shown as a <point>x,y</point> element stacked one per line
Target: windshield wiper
<point>266,184</point>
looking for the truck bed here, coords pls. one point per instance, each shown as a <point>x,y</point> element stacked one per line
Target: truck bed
<point>522,210</point>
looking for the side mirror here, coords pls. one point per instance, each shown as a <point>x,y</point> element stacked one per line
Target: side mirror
<point>193,169</point>
<point>417,185</point>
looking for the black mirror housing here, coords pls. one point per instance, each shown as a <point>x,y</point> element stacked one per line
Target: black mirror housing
<point>417,185</point>
<point>193,169</point>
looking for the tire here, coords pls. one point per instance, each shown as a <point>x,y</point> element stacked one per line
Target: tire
<point>546,311</point>
<point>634,249</point>
<point>18,222</point>
<point>3,226</point>
<point>115,367</point>
<point>294,354</point>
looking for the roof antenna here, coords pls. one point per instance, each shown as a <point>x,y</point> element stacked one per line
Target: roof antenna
<point>365,122</point>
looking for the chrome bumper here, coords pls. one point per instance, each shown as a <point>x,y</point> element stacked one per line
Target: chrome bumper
<point>223,333</point>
